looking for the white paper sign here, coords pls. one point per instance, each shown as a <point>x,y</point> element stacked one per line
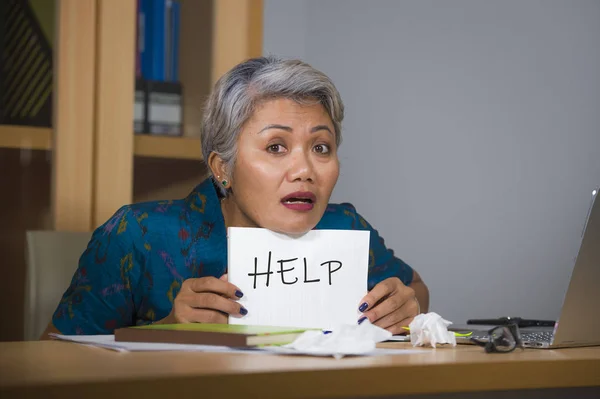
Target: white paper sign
<point>312,281</point>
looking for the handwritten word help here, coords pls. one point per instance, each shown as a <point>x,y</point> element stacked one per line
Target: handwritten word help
<point>286,265</point>
<point>312,281</point>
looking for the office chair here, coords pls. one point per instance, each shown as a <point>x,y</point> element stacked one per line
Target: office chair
<point>52,258</point>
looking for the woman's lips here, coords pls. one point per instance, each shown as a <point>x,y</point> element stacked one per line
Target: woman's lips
<point>299,206</point>
<point>299,201</point>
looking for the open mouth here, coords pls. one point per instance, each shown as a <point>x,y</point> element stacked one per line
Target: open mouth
<point>299,200</point>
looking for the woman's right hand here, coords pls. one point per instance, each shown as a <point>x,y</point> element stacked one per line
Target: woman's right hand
<point>205,300</point>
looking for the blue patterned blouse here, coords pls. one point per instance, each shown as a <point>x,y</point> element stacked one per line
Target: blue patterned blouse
<point>135,263</point>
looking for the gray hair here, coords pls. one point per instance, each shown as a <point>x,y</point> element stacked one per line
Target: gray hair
<point>237,93</point>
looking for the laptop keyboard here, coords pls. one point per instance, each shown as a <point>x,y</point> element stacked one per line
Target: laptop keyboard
<point>538,336</point>
<point>528,336</point>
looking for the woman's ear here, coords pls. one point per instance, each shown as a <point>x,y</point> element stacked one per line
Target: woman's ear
<point>219,170</point>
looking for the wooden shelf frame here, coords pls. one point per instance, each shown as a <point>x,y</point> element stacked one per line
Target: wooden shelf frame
<point>40,138</point>
<point>74,115</point>
<point>25,137</point>
<point>167,147</point>
<point>92,142</point>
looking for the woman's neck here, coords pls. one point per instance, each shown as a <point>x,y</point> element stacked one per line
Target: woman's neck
<point>233,215</point>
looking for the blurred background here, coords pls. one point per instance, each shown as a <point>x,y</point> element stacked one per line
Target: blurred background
<point>471,136</point>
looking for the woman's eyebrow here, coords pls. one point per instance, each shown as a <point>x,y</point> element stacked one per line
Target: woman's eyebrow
<point>290,130</point>
<point>321,127</point>
<point>281,127</point>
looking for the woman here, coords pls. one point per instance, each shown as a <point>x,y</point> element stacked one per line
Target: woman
<point>271,132</point>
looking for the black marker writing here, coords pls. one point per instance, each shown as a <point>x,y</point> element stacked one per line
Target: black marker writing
<point>268,272</point>
<point>332,271</point>
<point>282,270</point>
<point>306,275</point>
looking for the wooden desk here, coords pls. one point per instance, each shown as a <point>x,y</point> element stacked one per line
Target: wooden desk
<point>59,369</point>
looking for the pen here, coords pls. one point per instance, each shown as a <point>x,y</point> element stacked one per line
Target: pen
<point>456,333</point>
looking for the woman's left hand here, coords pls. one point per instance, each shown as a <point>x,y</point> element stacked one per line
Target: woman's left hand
<point>390,305</point>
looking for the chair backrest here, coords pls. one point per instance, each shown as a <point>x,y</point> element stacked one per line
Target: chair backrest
<point>52,259</point>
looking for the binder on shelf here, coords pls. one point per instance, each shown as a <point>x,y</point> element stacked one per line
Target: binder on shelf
<point>172,64</point>
<point>140,108</point>
<point>164,108</point>
<point>158,100</point>
<point>152,49</point>
<point>139,39</point>
<point>158,39</point>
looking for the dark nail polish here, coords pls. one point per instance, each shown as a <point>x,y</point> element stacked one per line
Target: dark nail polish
<point>326,332</point>
<point>239,293</point>
<point>362,319</point>
<point>243,311</point>
<point>363,307</point>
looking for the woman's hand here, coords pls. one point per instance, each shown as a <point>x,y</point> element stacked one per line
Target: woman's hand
<point>390,305</point>
<point>205,300</point>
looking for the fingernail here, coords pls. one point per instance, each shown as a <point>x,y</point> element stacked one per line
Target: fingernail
<point>363,307</point>
<point>362,319</point>
<point>243,311</point>
<point>326,332</point>
<point>239,293</point>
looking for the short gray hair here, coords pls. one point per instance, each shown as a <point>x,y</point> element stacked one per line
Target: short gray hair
<point>237,93</point>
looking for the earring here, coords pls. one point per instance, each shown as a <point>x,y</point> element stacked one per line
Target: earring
<point>224,183</point>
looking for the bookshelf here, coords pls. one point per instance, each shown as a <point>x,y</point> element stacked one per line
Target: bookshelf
<point>40,138</point>
<point>90,162</point>
<point>25,137</point>
<point>92,143</point>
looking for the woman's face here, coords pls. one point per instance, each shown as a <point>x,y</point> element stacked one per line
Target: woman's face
<point>286,168</point>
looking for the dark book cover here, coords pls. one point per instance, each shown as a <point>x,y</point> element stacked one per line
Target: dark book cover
<point>209,334</point>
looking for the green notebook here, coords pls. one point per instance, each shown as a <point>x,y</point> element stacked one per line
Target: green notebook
<point>209,334</point>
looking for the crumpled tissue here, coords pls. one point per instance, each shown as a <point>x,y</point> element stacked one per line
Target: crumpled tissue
<point>342,341</point>
<point>430,329</point>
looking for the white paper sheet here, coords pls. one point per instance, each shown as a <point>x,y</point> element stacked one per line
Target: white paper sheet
<point>280,350</point>
<point>314,281</point>
<point>108,342</point>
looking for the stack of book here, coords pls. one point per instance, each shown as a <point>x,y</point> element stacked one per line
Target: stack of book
<point>209,334</point>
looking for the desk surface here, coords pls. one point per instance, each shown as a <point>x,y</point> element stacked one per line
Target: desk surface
<point>66,369</point>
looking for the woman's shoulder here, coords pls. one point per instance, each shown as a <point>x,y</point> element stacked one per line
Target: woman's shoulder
<point>341,216</point>
<point>141,216</point>
<point>154,210</point>
<point>199,206</point>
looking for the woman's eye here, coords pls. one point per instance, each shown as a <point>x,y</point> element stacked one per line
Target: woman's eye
<point>322,149</point>
<point>275,148</point>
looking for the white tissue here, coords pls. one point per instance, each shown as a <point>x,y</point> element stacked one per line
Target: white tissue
<point>430,329</point>
<point>342,341</point>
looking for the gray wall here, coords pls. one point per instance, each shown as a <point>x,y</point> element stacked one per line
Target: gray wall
<point>472,136</point>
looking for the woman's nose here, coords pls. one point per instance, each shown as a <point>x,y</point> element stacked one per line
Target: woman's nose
<point>301,167</point>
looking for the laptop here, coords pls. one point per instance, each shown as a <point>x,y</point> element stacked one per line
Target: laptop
<point>579,320</point>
